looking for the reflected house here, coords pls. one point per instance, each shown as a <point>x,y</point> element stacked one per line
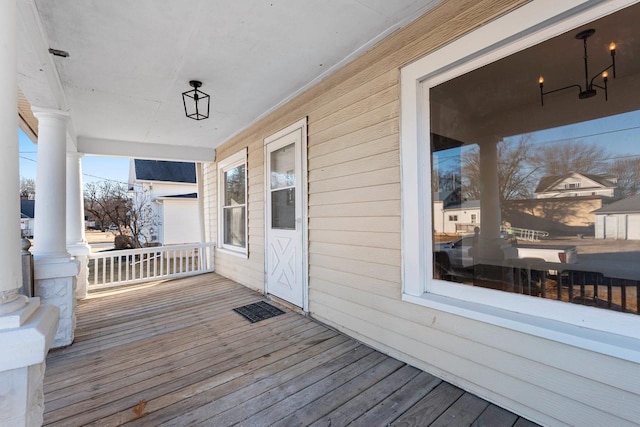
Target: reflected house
<point>576,184</point>
<point>454,216</point>
<point>619,220</point>
<point>563,204</point>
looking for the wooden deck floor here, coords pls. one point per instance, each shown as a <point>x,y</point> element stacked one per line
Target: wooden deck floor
<point>176,354</point>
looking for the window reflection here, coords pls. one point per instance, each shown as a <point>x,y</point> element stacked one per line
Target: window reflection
<point>543,201</point>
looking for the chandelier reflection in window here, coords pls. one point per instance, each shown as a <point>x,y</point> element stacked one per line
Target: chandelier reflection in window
<point>590,85</point>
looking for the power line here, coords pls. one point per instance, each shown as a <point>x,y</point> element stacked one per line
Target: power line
<point>87,174</point>
<point>105,179</point>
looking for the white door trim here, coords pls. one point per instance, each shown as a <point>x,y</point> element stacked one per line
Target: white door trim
<point>300,124</point>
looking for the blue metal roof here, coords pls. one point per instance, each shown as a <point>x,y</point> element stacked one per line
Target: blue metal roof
<point>160,170</point>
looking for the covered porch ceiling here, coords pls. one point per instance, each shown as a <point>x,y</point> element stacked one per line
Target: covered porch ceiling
<point>129,62</point>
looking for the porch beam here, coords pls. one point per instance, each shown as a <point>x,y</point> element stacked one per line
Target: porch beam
<point>143,150</point>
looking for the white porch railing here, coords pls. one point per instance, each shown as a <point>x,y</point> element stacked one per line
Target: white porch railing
<point>117,268</point>
<point>523,233</point>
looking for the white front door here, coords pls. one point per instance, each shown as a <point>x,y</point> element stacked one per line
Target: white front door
<point>285,216</point>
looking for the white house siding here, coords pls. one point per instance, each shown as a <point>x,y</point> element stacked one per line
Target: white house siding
<point>354,244</point>
<point>599,226</point>
<point>633,227</point>
<point>618,226</point>
<point>464,216</point>
<point>181,223</point>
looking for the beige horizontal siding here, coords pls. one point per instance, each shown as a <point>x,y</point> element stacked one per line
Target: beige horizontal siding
<point>324,278</point>
<point>357,253</point>
<point>373,178</point>
<point>354,242</point>
<point>385,208</point>
<point>387,224</point>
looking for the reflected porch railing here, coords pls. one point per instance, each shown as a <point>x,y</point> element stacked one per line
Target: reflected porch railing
<point>124,267</point>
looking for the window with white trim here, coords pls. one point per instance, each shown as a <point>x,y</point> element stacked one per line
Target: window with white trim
<point>475,103</point>
<point>232,212</point>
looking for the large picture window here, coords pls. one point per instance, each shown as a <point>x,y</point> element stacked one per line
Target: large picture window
<point>533,152</point>
<point>232,178</point>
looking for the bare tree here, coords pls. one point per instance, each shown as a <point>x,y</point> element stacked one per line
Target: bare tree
<point>27,188</point>
<point>112,203</point>
<point>570,156</point>
<point>140,217</point>
<point>517,177</point>
<point>107,201</point>
<point>627,171</point>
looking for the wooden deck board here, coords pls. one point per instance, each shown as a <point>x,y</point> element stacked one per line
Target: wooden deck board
<point>176,354</point>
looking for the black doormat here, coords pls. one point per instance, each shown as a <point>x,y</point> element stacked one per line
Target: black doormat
<point>258,311</point>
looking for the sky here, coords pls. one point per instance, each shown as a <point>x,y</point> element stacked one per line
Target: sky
<point>94,168</point>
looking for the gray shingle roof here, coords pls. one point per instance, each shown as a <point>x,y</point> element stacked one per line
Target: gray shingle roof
<point>160,170</point>
<point>628,205</point>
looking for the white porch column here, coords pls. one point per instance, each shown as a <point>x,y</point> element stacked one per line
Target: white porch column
<point>50,210</point>
<point>11,275</point>
<point>201,213</point>
<point>76,237</point>
<point>491,250</point>
<point>55,272</point>
<point>26,328</point>
<point>490,216</point>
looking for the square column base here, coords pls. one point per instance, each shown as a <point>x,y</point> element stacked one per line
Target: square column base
<point>26,337</point>
<point>55,284</point>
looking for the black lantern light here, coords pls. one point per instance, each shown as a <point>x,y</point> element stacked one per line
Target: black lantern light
<point>589,85</point>
<point>196,102</point>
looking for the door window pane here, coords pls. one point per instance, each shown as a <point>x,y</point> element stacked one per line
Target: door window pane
<point>283,209</point>
<point>283,167</point>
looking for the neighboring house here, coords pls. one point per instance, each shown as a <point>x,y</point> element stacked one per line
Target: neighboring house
<point>27,215</point>
<point>576,184</point>
<point>456,218</point>
<point>558,216</point>
<point>442,200</point>
<point>619,220</point>
<point>170,189</point>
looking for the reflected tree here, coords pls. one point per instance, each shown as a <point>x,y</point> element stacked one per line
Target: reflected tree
<point>517,176</point>
<point>564,157</point>
<point>627,170</point>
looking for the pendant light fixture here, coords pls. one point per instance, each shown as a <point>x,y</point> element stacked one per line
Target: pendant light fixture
<point>196,102</point>
<point>589,85</point>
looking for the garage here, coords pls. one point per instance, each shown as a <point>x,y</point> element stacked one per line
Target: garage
<point>619,220</point>
<point>633,227</point>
